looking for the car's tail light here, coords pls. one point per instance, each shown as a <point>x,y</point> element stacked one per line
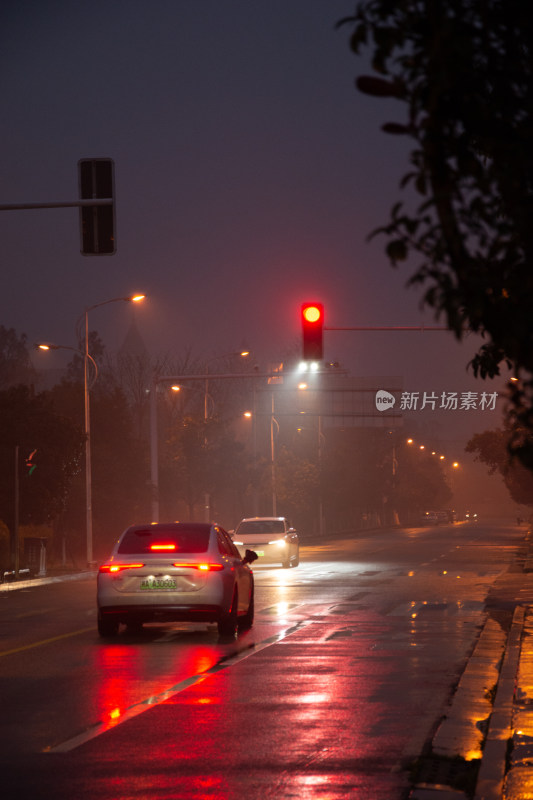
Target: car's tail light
<point>163,547</point>
<point>113,568</point>
<point>201,567</point>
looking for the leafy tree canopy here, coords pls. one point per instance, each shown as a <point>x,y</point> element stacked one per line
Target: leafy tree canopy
<point>491,448</point>
<point>119,466</point>
<point>15,364</point>
<point>28,421</point>
<point>463,71</point>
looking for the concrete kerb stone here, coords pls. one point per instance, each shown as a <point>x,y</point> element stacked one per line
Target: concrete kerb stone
<point>518,784</point>
<point>491,774</point>
<point>462,731</point>
<point>471,714</point>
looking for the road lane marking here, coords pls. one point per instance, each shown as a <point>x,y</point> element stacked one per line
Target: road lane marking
<point>45,641</point>
<point>143,705</point>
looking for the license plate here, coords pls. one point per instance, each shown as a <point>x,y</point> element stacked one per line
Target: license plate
<point>158,584</point>
<point>260,552</point>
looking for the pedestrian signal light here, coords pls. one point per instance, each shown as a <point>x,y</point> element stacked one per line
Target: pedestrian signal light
<point>30,463</point>
<point>312,330</point>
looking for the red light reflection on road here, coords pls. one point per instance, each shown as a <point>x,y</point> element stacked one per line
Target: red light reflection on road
<point>119,673</point>
<point>124,684</point>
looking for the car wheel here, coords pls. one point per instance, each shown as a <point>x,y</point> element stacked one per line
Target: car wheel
<point>297,559</point>
<point>227,624</point>
<point>246,622</point>
<point>107,626</point>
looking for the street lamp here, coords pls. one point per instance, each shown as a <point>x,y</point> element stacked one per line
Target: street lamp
<point>136,298</point>
<point>85,355</point>
<point>176,381</point>
<point>76,350</point>
<point>240,353</point>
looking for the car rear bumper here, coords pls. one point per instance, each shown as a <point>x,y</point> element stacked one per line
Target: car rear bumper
<point>161,613</point>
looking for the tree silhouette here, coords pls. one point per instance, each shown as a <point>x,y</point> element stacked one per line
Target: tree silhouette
<point>463,71</point>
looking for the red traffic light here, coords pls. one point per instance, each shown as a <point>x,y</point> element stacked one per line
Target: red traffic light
<point>312,313</point>
<point>312,327</point>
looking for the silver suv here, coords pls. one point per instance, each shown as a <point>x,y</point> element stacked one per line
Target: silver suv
<point>272,538</point>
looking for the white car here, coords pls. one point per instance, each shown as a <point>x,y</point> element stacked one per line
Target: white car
<point>175,572</point>
<point>272,539</point>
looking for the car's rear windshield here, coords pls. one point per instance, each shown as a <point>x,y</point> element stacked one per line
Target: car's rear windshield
<point>261,526</point>
<point>161,540</point>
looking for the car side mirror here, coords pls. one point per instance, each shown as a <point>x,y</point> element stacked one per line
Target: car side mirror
<point>249,556</point>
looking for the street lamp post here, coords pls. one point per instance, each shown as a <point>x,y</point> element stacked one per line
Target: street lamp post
<point>241,354</point>
<point>273,421</point>
<point>154,455</point>
<point>86,358</point>
<point>87,415</point>
<point>88,468</point>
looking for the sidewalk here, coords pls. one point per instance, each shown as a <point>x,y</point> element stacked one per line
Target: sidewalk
<point>12,586</point>
<point>490,719</point>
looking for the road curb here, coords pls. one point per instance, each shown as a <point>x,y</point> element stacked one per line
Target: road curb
<point>492,771</point>
<point>460,733</point>
<point>518,783</point>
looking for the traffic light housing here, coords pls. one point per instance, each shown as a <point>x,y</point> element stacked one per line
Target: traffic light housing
<point>312,331</point>
<point>97,222</point>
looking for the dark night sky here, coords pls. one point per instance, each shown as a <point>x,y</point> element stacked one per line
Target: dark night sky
<point>249,172</point>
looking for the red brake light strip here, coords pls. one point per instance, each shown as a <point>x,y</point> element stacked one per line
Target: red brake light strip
<point>118,567</point>
<point>162,547</point>
<point>202,567</point>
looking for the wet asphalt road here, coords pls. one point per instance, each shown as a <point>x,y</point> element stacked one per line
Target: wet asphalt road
<point>332,694</point>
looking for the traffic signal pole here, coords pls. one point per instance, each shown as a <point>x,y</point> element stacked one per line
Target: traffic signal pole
<point>104,201</point>
<point>388,328</point>
<point>97,206</point>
